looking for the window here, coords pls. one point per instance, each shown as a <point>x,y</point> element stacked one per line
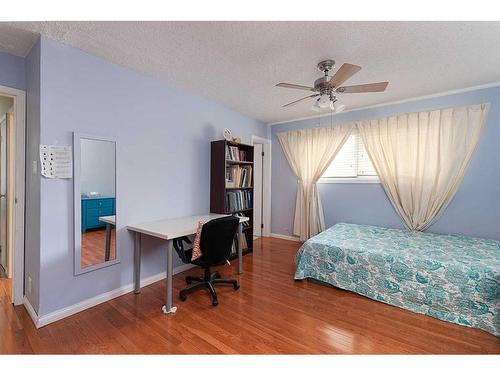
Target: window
<point>352,164</point>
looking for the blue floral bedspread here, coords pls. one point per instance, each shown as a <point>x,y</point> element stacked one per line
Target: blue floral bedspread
<point>450,277</point>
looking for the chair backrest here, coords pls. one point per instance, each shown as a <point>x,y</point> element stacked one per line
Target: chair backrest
<point>217,239</point>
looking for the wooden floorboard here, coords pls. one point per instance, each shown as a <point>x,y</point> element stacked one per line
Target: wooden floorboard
<point>3,274</point>
<point>94,247</point>
<point>271,313</point>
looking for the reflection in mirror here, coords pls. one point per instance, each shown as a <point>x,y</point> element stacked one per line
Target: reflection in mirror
<point>98,193</point>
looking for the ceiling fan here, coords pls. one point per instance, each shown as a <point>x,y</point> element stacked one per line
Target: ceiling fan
<point>328,87</point>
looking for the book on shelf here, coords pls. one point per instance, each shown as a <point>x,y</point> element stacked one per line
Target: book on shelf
<point>240,241</point>
<point>231,187</point>
<point>235,154</point>
<point>243,241</point>
<point>238,200</point>
<point>234,246</point>
<point>238,176</point>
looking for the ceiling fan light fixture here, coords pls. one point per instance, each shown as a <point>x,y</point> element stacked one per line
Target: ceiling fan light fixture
<point>338,106</point>
<point>322,108</point>
<point>327,87</point>
<point>324,101</point>
<point>316,107</point>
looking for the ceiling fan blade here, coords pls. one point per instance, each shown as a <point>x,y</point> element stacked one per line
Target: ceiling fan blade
<point>300,100</point>
<point>345,72</point>
<point>294,86</point>
<point>369,87</point>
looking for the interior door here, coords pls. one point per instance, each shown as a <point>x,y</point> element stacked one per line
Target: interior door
<point>257,189</point>
<point>3,198</point>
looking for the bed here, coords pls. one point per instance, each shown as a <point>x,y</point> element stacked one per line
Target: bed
<point>450,277</point>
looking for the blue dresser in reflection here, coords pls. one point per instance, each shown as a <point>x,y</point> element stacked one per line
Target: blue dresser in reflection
<point>93,208</point>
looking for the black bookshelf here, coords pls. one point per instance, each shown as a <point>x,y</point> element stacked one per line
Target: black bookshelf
<point>220,162</point>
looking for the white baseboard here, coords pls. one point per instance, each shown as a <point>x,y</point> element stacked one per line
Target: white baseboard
<point>285,237</point>
<point>52,317</point>
<point>31,311</point>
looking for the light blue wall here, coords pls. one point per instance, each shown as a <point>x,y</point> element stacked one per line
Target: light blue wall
<point>475,209</point>
<point>32,217</point>
<point>163,138</point>
<point>24,74</point>
<point>12,71</point>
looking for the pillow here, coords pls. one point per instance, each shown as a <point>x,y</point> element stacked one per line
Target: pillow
<point>196,245</point>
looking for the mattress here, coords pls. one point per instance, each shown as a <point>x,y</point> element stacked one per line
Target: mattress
<point>450,277</point>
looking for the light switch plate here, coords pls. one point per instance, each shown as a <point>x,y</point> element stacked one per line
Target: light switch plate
<point>29,284</point>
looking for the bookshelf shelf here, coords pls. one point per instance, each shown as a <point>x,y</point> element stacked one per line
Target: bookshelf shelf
<point>245,162</point>
<point>239,211</point>
<point>239,188</point>
<point>224,165</point>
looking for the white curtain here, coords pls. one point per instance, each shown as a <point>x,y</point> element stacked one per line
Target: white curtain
<point>421,158</point>
<point>309,152</point>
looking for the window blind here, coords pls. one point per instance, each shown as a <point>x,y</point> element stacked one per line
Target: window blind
<point>352,161</point>
<point>365,166</point>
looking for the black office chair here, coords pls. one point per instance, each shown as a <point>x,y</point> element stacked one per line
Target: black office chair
<point>216,240</point>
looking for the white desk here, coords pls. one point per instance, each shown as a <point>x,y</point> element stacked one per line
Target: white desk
<point>169,230</point>
<point>110,222</point>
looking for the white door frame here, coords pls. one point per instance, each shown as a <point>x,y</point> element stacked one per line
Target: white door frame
<point>266,184</point>
<point>5,248</point>
<point>16,200</point>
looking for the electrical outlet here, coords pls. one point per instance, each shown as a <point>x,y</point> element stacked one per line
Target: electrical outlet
<point>29,284</point>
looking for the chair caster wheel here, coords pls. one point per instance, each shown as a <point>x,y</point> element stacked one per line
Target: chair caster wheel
<point>236,286</point>
<point>183,296</point>
<point>215,302</point>
<point>189,280</point>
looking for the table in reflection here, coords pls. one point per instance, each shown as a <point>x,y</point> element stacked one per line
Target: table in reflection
<point>110,223</point>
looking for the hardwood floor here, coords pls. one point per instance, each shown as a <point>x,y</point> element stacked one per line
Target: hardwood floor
<point>270,313</point>
<point>94,245</point>
<point>3,274</point>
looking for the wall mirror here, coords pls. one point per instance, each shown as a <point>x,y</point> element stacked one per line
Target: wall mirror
<point>95,202</point>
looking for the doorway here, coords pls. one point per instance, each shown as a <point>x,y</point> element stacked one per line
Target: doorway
<point>6,117</point>
<point>262,187</point>
<point>12,185</point>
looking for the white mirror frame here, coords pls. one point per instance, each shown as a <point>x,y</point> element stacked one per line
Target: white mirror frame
<point>77,198</point>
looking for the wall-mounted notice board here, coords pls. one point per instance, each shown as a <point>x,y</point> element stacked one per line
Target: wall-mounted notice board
<point>56,161</point>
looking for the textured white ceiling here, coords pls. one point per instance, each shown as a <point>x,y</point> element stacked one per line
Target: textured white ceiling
<point>16,41</point>
<point>238,63</point>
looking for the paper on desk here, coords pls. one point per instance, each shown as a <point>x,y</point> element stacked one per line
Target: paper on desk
<point>56,161</point>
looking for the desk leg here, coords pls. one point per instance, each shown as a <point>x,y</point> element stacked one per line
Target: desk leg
<point>240,250</point>
<point>169,308</point>
<point>108,242</point>
<point>137,263</point>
